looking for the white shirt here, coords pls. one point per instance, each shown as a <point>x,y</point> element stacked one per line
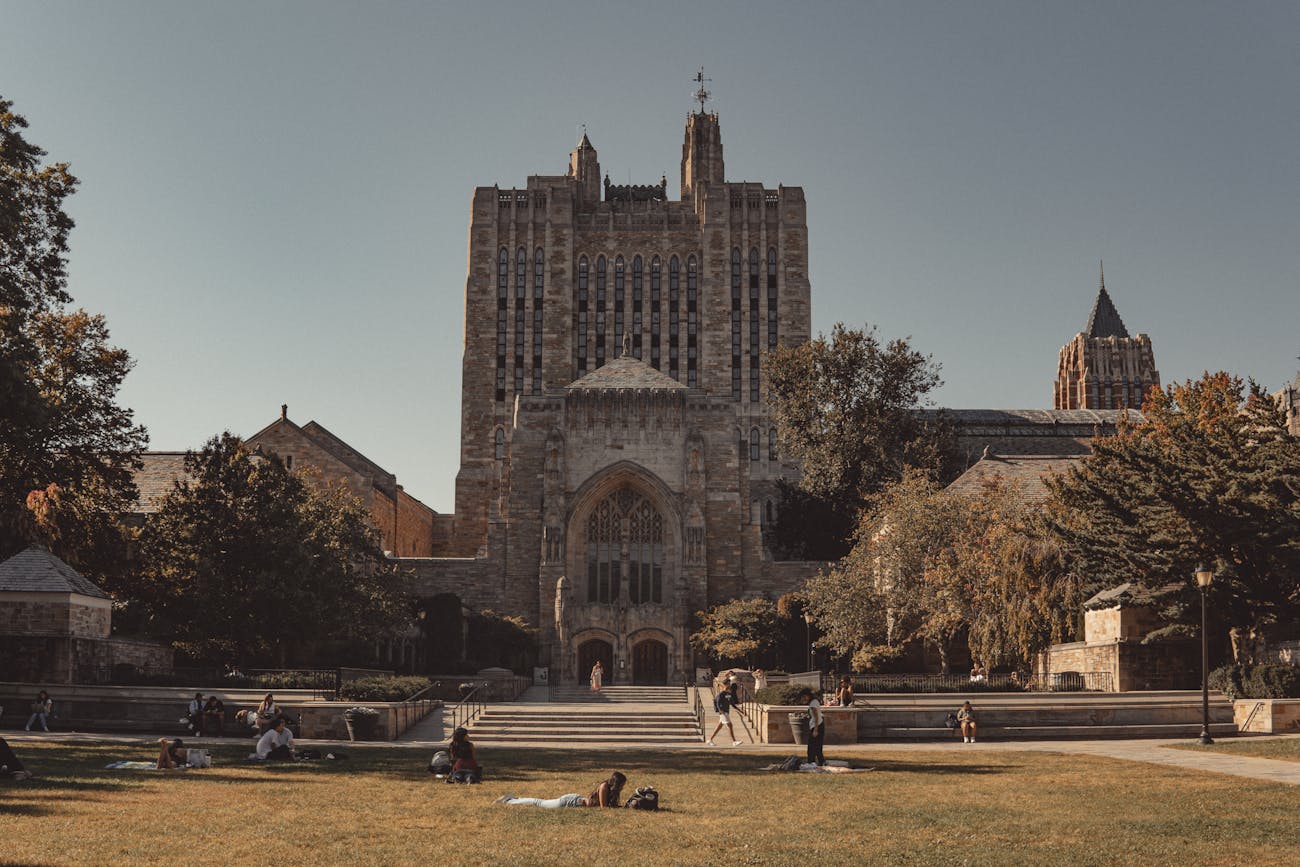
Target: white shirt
<point>272,739</point>
<point>814,714</point>
<point>196,706</point>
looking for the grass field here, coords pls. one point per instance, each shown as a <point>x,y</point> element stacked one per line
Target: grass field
<point>1287,749</point>
<point>381,806</point>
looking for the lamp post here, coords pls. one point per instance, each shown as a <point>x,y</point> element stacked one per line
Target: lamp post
<point>1204,575</point>
<point>807,622</point>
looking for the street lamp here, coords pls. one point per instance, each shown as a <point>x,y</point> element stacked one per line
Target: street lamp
<point>1204,575</point>
<point>807,622</point>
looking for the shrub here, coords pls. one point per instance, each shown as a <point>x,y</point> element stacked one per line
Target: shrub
<point>382,688</point>
<point>782,693</point>
<point>1257,681</point>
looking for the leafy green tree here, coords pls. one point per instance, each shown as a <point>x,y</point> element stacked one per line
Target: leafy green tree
<point>1210,475</point>
<point>246,558</point>
<point>845,408</point>
<point>67,450</point>
<point>742,630</point>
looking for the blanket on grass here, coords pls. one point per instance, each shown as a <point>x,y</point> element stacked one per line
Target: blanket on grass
<point>134,766</point>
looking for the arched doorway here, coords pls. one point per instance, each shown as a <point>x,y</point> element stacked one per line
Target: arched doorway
<point>589,652</point>
<point>650,663</point>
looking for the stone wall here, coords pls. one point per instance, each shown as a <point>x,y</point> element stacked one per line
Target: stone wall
<point>1131,664</point>
<point>772,724</point>
<point>323,720</point>
<point>63,614</point>
<point>1267,715</point>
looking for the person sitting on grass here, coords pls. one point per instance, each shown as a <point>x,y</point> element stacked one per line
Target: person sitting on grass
<point>966,716</point>
<point>604,795</point>
<point>464,767</point>
<point>10,765</point>
<point>276,744</point>
<point>172,754</point>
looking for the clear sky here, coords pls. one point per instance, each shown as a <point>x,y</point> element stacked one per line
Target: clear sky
<point>275,195</point>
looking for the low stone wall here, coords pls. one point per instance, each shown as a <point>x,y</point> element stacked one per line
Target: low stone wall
<point>1132,664</point>
<point>772,724</point>
<point>323,720</point>
<point>1267,715</point>
<point>53,659</point>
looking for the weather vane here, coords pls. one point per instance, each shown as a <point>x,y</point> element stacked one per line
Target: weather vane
<point>701,94</point>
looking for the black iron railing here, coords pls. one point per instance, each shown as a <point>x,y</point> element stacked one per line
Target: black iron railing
<point>324,682</point>
<point>470,706</point>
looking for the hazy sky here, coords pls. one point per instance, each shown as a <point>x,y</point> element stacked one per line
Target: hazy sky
<point>275,196</point>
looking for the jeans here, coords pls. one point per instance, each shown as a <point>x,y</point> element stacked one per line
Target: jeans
<point>815,738</point>
<point>553,803</point>
<point>38,716</point>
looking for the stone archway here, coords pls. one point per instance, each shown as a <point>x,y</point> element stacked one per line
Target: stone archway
<point>589,652</point>
<point>650,662</point>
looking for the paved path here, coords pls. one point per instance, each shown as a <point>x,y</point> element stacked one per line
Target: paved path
<point>1151,751</point>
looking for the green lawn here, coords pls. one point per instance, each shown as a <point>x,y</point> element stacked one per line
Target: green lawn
<point>380,806</point>
<point>1287,749</point>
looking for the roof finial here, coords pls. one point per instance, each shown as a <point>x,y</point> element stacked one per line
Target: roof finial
<point>284,410</point>
<point>701,94</point>
<point>1103,274</point>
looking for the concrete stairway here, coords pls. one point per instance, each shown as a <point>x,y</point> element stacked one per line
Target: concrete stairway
<point>618,715</point>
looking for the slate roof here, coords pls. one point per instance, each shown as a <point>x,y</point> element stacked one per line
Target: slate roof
<point>626,372</point>
<point>1104,320</point>
<point>155,478</point>
<point>1130,593</point>
<point>36,570</point>
<point>1027,472</point>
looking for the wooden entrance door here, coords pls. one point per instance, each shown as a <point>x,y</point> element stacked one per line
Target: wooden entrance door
<point>650,663</point>
<point>590,651</point>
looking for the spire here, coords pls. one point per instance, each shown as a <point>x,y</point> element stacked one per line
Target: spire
<point>1104,320</point>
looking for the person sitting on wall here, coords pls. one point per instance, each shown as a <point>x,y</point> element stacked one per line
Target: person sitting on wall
<point>42,708</point>
<point>194,714</point>
<point>966,717</point>
<point>267,713</point>
<point>214,716</point>
<point>276,744</point>
<point>844,692</point>
<point>979,674</point>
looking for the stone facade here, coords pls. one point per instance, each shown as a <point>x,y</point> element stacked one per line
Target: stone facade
<point>1289,400</point>
<point>1103,367</point>
<point>618,461</point>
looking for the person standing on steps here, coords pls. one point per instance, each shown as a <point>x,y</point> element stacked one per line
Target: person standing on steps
<point>722,704</point>
<point>597,675</point>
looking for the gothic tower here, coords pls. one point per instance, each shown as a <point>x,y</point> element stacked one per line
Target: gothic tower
<point>1103,367</point>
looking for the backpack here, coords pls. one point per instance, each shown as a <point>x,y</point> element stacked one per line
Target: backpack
<point>722,702</point>
<point>644,798</point>
<point>198,758</point>
<point>791,764</point>
<point>951,721</point>
<point>440,763</point>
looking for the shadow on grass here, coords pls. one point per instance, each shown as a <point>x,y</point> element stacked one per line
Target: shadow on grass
<point>7,809</point>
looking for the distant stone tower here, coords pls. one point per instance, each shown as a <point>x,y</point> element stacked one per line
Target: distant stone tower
<point>1102,367</point>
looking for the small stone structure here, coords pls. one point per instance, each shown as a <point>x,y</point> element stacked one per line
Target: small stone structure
<point>56,625</point>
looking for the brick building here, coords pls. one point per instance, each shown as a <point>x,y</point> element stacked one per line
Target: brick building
<point>618,461</point>
<point>1103,367</point>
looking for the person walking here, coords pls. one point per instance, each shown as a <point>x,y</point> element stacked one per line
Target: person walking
<point>816,728</point>
<point>722,704</point>
<point>41,710</point>
<point>597,676</point>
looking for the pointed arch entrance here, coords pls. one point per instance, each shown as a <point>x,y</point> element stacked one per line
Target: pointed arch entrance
<point>590,652</point>
<point>650,663</point>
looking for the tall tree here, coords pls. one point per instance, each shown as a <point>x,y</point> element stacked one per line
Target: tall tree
<point>742,630</point>
<point>1210,475</point>
<point>246,558</point>
<point>845,408</point>
<point>66,448</point>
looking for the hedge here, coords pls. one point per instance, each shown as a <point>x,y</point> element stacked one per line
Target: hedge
<point>1257,681</point>
<point>782,693</point>
<point>382,688</point>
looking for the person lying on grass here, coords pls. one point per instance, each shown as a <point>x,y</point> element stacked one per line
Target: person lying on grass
<point>172,754</point>
<point>277,743</point>
<point>605,795</point>
<point>10,765</point>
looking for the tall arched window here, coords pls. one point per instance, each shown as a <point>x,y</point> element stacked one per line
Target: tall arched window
<point>521,293</point>
<point>600,310</point>
<point>755,450</point>
<point>771,298</point>
<point>584,277</point>
<point>539,271</point>
<point>692,323</point>
<point>656,298</point>
<point>625,544</point>
<point>735,323</point>
<point>500,445</point>
<point>771,444</point>
<point>503,301</point>
<point>754,316</point>
<point>620,284</point>
<point>638,290</point>
<point>674,305</point>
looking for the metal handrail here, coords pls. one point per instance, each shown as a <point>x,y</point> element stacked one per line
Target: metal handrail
<point>696,703</point>
<point>468,707</point>
<point>1081,681</point>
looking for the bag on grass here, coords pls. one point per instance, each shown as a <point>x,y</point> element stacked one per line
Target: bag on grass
<point>644,798</point>
<point>951,721</point>
<point>198,758</point>
<point>791,764</point>
<point>440,763</point>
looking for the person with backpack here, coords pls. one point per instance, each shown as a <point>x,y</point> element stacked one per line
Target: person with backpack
<point>722,704</point>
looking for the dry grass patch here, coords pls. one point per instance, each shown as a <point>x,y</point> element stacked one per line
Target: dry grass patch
<point>1285,748</point>
<point>381,806</point>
